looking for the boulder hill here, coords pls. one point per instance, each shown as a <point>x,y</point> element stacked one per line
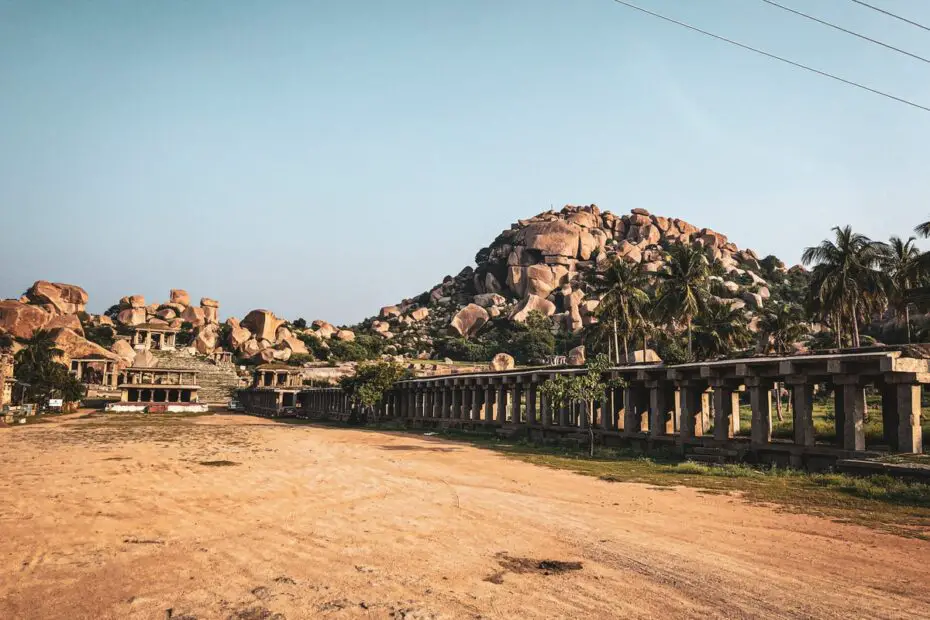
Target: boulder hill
<point>540,264</point>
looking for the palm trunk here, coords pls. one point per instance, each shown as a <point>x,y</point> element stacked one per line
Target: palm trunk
<point>781,418</point>
<point>590,415</point>
<point>690,356</point>
<point>907,321</point>
<point>616,343</point>
<point>626,350</point>
<point>855,330</point>
<point>839,331</point>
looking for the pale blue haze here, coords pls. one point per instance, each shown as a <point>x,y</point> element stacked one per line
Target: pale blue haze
<point>325,158</point>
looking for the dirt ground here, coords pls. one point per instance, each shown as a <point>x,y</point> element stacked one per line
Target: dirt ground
<point>243,518</point>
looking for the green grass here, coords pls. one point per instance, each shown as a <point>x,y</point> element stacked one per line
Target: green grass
<point>879,502</point>
<point>825,425</point>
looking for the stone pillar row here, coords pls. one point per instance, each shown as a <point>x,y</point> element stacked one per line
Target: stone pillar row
<point>661,407</point>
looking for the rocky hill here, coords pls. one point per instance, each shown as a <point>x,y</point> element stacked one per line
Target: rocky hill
<point>540,264</point>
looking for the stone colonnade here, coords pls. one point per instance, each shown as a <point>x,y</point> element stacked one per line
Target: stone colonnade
<point>159,395</point>
<point>685,404</point>
<point>333,403</point>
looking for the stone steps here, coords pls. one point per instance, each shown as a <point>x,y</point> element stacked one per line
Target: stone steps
<point>217,383</point>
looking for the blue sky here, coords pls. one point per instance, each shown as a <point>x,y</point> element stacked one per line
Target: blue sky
<point>325,158</point>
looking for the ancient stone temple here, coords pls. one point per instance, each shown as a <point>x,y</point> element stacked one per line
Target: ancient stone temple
<point>274,389</point>
<point>157,336</point>
<point>96,371</point>
<point>6,380</point>
<point>157,389</point>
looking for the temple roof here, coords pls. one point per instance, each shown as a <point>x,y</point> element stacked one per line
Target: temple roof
<point>156,327</point>
<point>277,366</point>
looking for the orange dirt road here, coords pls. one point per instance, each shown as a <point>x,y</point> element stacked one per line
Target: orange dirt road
<point>124,520</point>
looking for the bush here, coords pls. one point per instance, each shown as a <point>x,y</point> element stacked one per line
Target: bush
<point>299,359</point>
<point>463,350</point>
<point>300,323</point>
<point>348,351</point>
<point>315,345</point>
<point>534,342</point>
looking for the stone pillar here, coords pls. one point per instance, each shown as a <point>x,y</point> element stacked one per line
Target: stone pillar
<point>802,400</point>
<point>726,408</point>
<point>435,401</point>
<point>428,402</point>
<point>760,401</point>
<point>545,411</point>
<point>563,415</point>
<point>692,398</point>
<point>516,404</point>
<point>489,396</point>
<point>849,405</point>
<point>661,408</point>
<point>607,410</point>
<point>734,419</point>
<point>635,406</point>
<point>531,419</point>
<point>910,440</point>
<point>456,399</point>
<point>501,404</point>
<point>445,404</point>
<point>475,402</point>
<point>706,400</point>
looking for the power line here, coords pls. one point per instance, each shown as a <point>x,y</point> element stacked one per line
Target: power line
<point>890,14</point>
<point>841,29</point>
<point>774,57</point>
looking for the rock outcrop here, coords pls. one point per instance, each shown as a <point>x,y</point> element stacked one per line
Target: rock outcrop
<point>58,298</point>
<point>469,320</point>
<point>21,320</point>
<point>502,361</point>
<point>543,264</point>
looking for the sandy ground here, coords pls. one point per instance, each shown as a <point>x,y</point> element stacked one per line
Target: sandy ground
<point>120,521</point>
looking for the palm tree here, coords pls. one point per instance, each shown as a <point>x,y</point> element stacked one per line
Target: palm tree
<point>781,326</point>
<point>37,365</point>
<point>903,269</point>
<point>923,229</point>
<point>623,284</point>
<point>844,282</point>
<point>720,330</point>
<point>38,350</point>
<point>683,290</point>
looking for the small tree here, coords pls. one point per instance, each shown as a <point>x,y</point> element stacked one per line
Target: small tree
<point>367,387</point>
<point>36,366</point>
<point>586,387</point>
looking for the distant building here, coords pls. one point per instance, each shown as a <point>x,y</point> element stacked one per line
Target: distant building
<point>158,389</point>
<point>274,390</point>
<point>7,380</point>
<point>158,336</point>
<point>96,371</point>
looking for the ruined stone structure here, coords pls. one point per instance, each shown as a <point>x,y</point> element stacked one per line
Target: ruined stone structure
<point>95,371</point>
<point>148,336</point>
<point>7,381</point>
<point>274,390</point>
<point>692,408</point>
<point>158,386</point>
<point>333,404</point>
